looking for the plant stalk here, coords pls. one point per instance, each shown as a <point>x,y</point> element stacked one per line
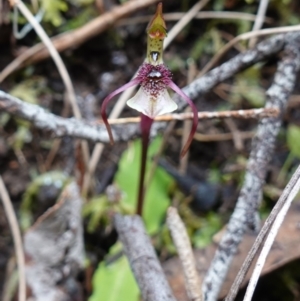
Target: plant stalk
<point>146,123</point>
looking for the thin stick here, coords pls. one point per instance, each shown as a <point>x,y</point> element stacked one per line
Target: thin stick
<point>16,234</point>
<point>54,54</point>
<point>237,140</point>
<point>246,36</point>
<point>217,137</point>
<point>72,127</point>
<point>293,190</point>
<point>199,15</point>
<point>176,29</point>
<point>98,25</point>
<point>186,255</point>
<point>26,28</point>
<point>76,37</point>
<point>142,258</point>
<point>245,213</point>
<point>187,124</point>
<point>242,114</point>
<point>263,5</point>
<point>101,23</point>
<point>261,236</point>
<point>15,64</point>
<point>278,213</point>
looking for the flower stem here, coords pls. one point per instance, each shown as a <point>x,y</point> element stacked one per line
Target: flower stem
<point>146,123</point>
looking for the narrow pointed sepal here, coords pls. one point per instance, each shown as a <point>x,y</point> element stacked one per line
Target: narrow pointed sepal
<point>108,98</point>
<point>177,90</point>
<point>152,106</point>
<point>156,28</point>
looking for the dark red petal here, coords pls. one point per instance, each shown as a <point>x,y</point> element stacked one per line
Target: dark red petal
<point>176,89</point>
<point>132,83</point>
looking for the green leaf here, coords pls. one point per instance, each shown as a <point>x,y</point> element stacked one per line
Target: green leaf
<point>29,90</point>
<point>114,282</point>
<point>95,209</point>
<point>293,140</point>
<point>53,9</point>
<point>127,177</point>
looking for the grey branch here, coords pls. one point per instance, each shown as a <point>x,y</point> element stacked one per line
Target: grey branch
<point>97,132</point>
<point>142,258</point>
<point>261,153</point>
<point>240,62</point>
<point>294,51</point>
<point>55,250</point>
<point>59,126</point>
<point>262,146</point>
<point>185,252</point>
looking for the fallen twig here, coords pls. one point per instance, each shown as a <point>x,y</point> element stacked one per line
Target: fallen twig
<point>60,126</point>
<point>54,249</point>
<point>246,36</point>
<point>188,16</point>
<point>18,4</point>
<point>271,236</point>
<point>76,37</point>
<point>237,139</point>
<point>142,258</point>
<point>288,192</point>
<point>260,52</point>
<point>16,234</point>
<point>53,52</point>
<point>186,255</point>
<point>241,114</point>
<point>218,136</point>
<point>285,250</point>
<point>200,15</point>
<point>263,5</point>
<point>249,199</point>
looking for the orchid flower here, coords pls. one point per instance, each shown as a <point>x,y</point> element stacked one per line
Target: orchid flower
<point>152,98</point>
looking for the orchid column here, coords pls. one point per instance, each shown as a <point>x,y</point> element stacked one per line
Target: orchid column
<point>152,99</point>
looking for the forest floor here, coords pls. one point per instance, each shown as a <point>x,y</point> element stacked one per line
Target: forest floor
<point>217,157</point>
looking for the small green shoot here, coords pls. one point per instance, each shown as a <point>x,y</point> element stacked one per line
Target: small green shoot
<point>53,11</point>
